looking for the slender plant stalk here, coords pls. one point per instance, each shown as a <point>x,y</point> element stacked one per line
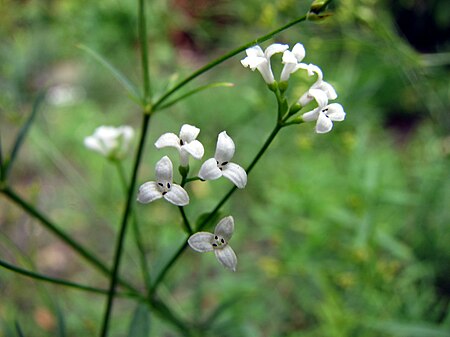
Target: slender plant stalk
<point>144,54</point>
<point>123,226</point>
<point>49,279</point>
<point>186,223</point>
<point>136,231</point>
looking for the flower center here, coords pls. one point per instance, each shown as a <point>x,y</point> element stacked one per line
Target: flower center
<point>164,187</point>
<point>219,242</point>
<point>221,166</point>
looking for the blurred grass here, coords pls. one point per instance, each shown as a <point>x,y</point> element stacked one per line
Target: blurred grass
<point>343,234</point>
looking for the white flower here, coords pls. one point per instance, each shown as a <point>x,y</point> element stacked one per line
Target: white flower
<point>218,242</point>
<point>220,165</point>
<point>291,61</point>
<point>186,143</point>
<point>319,84</point>
<point>325,113</point>
<point>112,142</point>
<point>163,187</point>
<point>257,59</point>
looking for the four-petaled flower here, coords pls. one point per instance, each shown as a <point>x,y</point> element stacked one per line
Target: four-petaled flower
<point>325,113</point>
<point>186,143</point>
<point>291,61</point>
<point>111,142</point>
<point>218,242</point>
<point>326,87</point>
<point>220,165</point>
<point>163,187</point>
<point>257,59</point>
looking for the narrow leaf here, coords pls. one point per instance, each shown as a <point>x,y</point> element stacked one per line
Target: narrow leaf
<point>140,322</point>
<point>412,329</point>
<point>194,91</point>
<point>61,327</point>
<point>22,134</point>
<point>19,330</point>
<point>130,87</point>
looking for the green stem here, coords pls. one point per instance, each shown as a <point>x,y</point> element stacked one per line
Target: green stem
<point>123,227</point>
<point>51,279</point>
<point>180,250</point>
<point>223,58</point>
<point>136,231</point>
<point>186,223</point>
<point>144,53</point>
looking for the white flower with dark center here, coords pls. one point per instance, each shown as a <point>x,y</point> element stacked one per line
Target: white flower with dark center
<point>319,84</point>
<point>186,143</point>
<point>113,143</point>
<point>220,165</point>
<point>325,113</point>
<point>163,187</point>
<point>259,59</point>
<point>291,61</point>
<point>218,242</point>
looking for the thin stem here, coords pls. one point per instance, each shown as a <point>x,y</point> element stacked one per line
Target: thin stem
<point>136,231</point>
<point>221,59</point>
<point>123,227</point>
<point>180,250</point>
<point>49,279</point>
<point>186,223</point>
<point>144,53</point>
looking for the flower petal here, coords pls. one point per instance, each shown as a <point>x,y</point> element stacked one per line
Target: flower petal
<point>194,148</point>
<point>324,124</point>
<point>177,195</point>
<point>189,132</point>
<point>225,148</point>
<point>320,96</point>
<point>168,139</point>
<point>299,51</point>
<point>236,174</point>
<point>253,62</point>
<point>336,112</point>
<point>94,144</point>
<point>275,48</point>
<point>225,228</point>
<point>164,170</point>
<point>254,51</point>
<point>327,88</point>
<point>311,115</point>
<point>149,192</point>
<point>209,170</point>
<point>201,242</point>
<point>227,257</point>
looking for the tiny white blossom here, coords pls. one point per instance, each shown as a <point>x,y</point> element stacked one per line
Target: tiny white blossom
<point>111,142</point>
<point>257,59</point>
<point>218,242</point>
<point>220,165</point>
<point>325,113</point>
<point>319,84</point>
<point>186,143</point>
<point>291,61</point>
<point>163,187</point>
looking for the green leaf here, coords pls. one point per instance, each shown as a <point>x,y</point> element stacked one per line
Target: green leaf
<point>130,87</point>
<point>19,330</point>
<point>194,91</point>
<point>61,327</point>
<point>412,330</point>
<point>140,323</point>
<point>22,134</point>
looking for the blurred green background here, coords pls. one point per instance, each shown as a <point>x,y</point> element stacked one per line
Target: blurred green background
<point>344,234</point>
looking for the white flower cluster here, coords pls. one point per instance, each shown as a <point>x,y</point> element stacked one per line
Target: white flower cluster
<point>111,142</point>
<point>220,165</point>
<point>324,114</point>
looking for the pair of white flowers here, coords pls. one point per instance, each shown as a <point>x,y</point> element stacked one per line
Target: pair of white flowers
<point>320,91</point>
<point>187,145</point>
